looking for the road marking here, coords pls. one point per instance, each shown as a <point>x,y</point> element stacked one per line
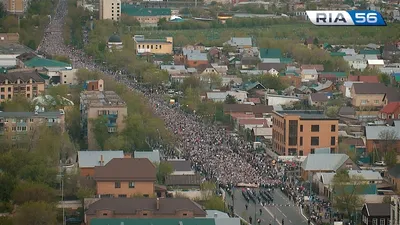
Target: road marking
<point>281,212</point>
<point>272,215</point>
<point>301,212</point>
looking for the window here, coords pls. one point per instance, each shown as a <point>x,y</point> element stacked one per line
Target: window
<point>2,96</point>
<point>9,96</point>
<point>382,221</point>
<point>105,214</point>
<point>333,140</point>
<point>146,195</point>
<point>313,151</point>
<point>314,141</point>
<point>9,89</point>
<point>333,150</point>
<point>144,214</point>
<point>185,214</point>
<point>333,128</point>
<point>301,153</point>
<point>363,102</point>
<point>31,120</point>
<point>376,101</point>
<point>374,221</point>
<point>301,141</point>
<point>314,128</point>
<point>121,196</point>
<point>117,184</point>
<point>2,89</point>
<point>131,184</point>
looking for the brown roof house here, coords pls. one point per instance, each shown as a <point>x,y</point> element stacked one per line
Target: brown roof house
<point>368,94</point>
<point>125,177</point>
<point>318,99</point>
<point>143,208</point>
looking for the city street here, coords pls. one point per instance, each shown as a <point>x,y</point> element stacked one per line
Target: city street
<point>272,214</point>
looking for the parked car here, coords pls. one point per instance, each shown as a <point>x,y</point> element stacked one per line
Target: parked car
<point>380,163</point>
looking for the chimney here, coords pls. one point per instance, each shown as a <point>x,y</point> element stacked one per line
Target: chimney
<point>101,160</point>
<point>158,203</point>
<point>215,215</point>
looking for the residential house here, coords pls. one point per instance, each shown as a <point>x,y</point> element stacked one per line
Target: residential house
<point>195,59</point>
<point>318,99</point>
<point>88,160</point>
<point>309,75</point>
<point>240,96</point>
<point>198,47</point>
<point>254,100</point>
<point>252,86</point>
<point>28,83</point>
<point>184,182</point>
<point>147,17</point>
<point>272,68</point>
<point>391,51</point>
<point>153,156</point>
<point>375,52</point>
<point>141,208</point>
<point>95,104</point>
<point>324,181</point>
<point>334,77</point>
<point>363,79</point>
<point>248,63</point>
<point>180,167</point>
<point>394,177</point>
<point>14,125</point>
<point>291,78</point>
<point>240,42</point>
<point>153,46</point>
<point>220,69</point>
<point>347,111</point>
<point>382,138</point>
<point>390,112</point>
<point>215,54</point>
<point>272,99</point>
<point>375,63</point>
<point>395,210</point>
<point>368,94</point>
<point>323,87</point>
<point>9,52</point>
<point>249,124</point>
<point>376,213</point>
<point>68,76</point>
<point>125,177</point>
<point>206,69</point>
<point>325,163</point>
<point>258,111</point>
<point>357,62</point>
<point>270,55</point>
<point>317,67</point>
<point>216,96</point>
<point>301,132</point>
<point>108,9</point>
<point>174,69</point>
<point>261,133</point>
<point>348,51</point>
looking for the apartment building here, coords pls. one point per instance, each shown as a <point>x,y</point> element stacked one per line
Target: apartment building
<point>394,210</point>
<point>16,6</point>
<point>153,46</point>
<point>101,103</point>
<point>20,82</point>
<point>13,124</point>
<point>110,10</point>
<point>302,132</point>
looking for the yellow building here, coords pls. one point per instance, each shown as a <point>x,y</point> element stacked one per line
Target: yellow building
<point>153,46</point>
<point>110,10</point>
<point>13,124</point>
<point>20,82</point>
<point>94,104</point>
<point>16,6</point>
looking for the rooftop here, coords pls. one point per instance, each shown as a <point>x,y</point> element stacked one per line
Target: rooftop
<point>240,41</point>
<point>179,221</point>
<point>126,206</point>
<point>101,99</point>
<point>126,169</point>
<point>89,159</point>
<point>13,49</point>
<point>24,75</point>
<point>31,114</point>
<point>324,162</point>
<point>42,62</point>
<point>133,10</point>
<point>180,165</point>
<point>305,114</point>
<point>153,156</point>
<point>369,88</point>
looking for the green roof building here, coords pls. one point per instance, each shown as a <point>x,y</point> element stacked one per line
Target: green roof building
<point>270,53</point>
<point>370,52</point>
<point>338,54</point>
<point>133,10</point>
<point>182,221</point>
<point>38,62</point>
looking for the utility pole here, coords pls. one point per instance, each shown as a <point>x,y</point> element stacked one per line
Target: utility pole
<point>62,191</point>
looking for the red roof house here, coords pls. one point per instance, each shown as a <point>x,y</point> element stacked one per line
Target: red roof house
<point>365,79</point>
<point>390,112</point>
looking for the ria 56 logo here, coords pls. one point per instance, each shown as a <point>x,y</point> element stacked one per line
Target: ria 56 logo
<point>346,18</point>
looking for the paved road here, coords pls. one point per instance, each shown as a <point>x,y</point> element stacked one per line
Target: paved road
<point>282,208</point>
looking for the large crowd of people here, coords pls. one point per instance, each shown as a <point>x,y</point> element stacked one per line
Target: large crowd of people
<point>213,151</point>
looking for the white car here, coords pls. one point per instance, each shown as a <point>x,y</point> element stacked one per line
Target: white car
<point>380,163</point>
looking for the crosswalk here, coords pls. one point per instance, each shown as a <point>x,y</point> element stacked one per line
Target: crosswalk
<point>280,205</point>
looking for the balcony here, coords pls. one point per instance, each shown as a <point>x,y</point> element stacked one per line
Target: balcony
<point>111,124</point>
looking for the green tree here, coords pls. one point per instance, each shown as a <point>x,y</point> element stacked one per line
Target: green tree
<point>215,203</point>
<point>230,99</point>
<point>33,192</point>
<point>7,185</point>
<point>384,78</point>
<point>85,192</point>
<point>6,220</point>
<point>164,169</point>
<point>192,98</point>
<point>347,192</point>
<point>36,213</point>
<point>390,158</point>
<point>332,111</point>
<point>100,130</point>
<point>84,74</point>
<point>19,103</point>
<point>207,190</point>
<point>191,82</point>
<point>155,77</point>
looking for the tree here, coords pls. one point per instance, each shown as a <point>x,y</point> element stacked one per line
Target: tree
<point>84,74</point>
<point>207,190</point>
<point>155,77</point>
<point>192,98</point>
<point>85,192</point>
<point>19,103</point>
<point>230,99</point>
<point>390,158</point>
<point>215,203</point>
<point>7,185</point>
<point>332,111</point>
<point>345,148</point>
<point>36,213</point>
<point>388,139</point>
<point>384,78</point>
<point>163,170</point>
<point>347,192</point>
<point>100,130</point>
<point>190,82</point>
<point>33,192</point>
<point>6,220</point>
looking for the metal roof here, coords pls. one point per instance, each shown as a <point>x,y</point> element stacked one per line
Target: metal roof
<point>31,114</point>
<point>89,159</point>
<point>153,156</point>
<point>374,132</point>
<point>324,162</point>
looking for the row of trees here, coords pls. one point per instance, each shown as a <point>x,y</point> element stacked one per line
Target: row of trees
<point>31,26</point>
<point>74,24</point>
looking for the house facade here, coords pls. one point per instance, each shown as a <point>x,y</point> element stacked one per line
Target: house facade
<point>376,213</point>
<point>368,94</point>
<point>153,46</point>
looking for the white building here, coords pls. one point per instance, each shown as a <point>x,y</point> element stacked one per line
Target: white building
<point>280,99</point>
<point>110,10</point>
<point>9,53</point>
<point>68,76</point>
<point>395,210</point>
<point>357,62</point>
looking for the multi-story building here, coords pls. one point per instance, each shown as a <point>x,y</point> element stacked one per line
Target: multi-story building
<point>395,210</point>
<point>147,17</point>
<point>20,82</point>
<point>153,46</point>
<point>110,10</point>
<point>94,104</point>
<point>300,132</point>
<point>16,6</point>
<point>13,124</point>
